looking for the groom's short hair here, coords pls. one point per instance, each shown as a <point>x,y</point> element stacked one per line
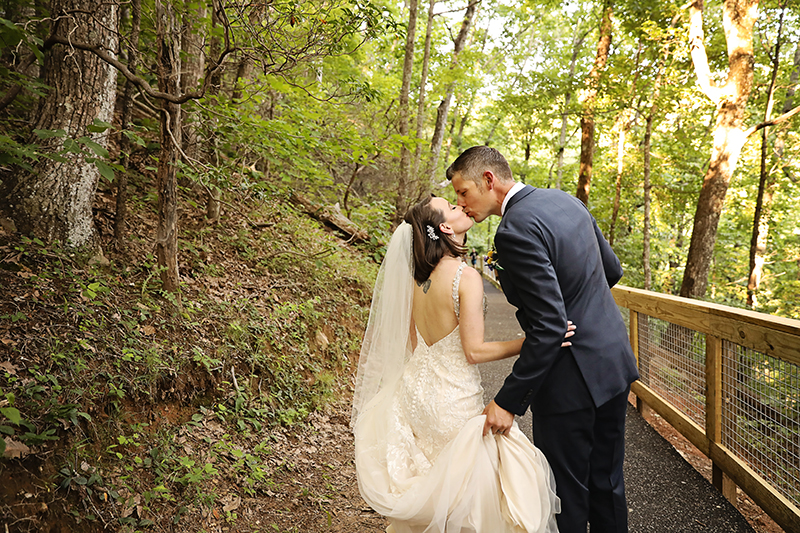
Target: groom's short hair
<point>473,162</point>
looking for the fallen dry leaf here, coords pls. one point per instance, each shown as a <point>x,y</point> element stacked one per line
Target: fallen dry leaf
<point>8,366</point>
<point>15,449</point>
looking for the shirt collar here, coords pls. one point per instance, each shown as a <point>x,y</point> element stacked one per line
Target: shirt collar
<point>514,190</point>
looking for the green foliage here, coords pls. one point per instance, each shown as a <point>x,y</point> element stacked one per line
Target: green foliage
<point>117,345</point>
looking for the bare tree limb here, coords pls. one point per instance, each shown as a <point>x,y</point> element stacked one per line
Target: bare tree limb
<point>698,51</point>
<point>142,84</point>
<point>777,120</point>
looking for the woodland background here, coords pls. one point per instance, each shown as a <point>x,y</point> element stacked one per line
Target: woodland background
<point>672,122</point>
<point>195,190</point>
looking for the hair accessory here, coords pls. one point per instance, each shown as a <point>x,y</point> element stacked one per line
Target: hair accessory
<point>431,233</point>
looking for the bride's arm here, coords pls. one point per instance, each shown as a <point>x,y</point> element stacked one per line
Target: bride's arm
<point>470,293</point>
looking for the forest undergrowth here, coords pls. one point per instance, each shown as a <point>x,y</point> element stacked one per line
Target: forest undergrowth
<point>124,409</point>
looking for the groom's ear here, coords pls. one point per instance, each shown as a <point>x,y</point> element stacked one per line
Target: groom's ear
<point>489,179</point>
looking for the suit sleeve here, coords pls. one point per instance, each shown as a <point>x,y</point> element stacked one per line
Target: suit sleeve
<point>611,264</point>
<point>528,271</point>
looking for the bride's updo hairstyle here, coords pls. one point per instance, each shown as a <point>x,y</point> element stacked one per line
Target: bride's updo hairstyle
<point>427,250</point>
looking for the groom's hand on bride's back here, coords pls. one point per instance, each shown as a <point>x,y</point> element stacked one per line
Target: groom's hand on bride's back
<point>570,332</point>
<point>498,420</point>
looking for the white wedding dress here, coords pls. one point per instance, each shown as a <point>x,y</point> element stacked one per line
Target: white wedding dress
<point>423,462</point>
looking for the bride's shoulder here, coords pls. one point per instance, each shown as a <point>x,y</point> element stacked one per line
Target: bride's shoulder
<point>471,277</point>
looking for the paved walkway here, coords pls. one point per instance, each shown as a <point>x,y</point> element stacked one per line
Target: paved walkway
<point>665,494</point>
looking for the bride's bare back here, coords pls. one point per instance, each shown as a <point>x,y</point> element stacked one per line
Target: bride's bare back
<point>432,310</point>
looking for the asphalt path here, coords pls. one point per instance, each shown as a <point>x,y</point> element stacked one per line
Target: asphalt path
<point>665,493</point>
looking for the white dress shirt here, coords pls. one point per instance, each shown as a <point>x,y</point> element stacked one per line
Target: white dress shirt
<point>514,190</point>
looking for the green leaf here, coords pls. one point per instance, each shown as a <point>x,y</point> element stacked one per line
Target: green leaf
<point>71,146</point>
<point>98,126</point>
<point>12,413</point>
<point>49,134</point>
<point>105,169</point>
<point>133,137</point>
<point>8,430</point>
<point>94,147</point>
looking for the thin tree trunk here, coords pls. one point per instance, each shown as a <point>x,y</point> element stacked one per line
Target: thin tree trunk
<point>648,134</point>
<point>587,118</point>
<point>169,76</point>
<point>54,201</point>
<point>403,118</point>
<point>624,124</point>
<point>213,193</point>
<point>788,104</point>
<point>193,44</point>
<point>739,17</point>
<point>766,187</point>
<point>423,81</point>
<point>120,220</point>
<point>449,145</point>
<point>441,113</point>
<point>577,43</point>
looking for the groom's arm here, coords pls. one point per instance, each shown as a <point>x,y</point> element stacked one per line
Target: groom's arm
<point>528,271</point>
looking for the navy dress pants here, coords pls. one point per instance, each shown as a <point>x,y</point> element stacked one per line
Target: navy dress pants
<point>586,449</point>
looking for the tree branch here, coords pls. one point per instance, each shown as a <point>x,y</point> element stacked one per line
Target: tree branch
<point>698,50</point>
<point>142,84</point>
<point>777,120</point>
<point>15,90</point>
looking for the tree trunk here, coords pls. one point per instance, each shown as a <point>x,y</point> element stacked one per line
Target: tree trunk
<point>169,76</point>
<point>54,201</point>
<point>403,118</point>
<point>648,134</point>
<point>766,187</point>
<point>423,81</point>
<point>444,106</point>
<point>624,123</point>
<point>587,118</point>
<point>213,194</point>
<point>729,137</point>
<point>577,42</point>
<point>120,219</point>
<point>193,40</point>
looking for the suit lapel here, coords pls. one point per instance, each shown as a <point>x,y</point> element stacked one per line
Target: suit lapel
<point>511,202</point>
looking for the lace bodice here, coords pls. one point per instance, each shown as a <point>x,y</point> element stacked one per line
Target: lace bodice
<point>439,392</point>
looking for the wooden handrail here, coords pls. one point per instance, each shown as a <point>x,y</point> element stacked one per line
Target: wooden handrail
<point>774,336</point>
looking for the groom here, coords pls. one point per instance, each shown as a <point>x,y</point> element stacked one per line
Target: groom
<point>554,265</point>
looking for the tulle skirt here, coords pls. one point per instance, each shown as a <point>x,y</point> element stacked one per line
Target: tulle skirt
<point>476,484</point>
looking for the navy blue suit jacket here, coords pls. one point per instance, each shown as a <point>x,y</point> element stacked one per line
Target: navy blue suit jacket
<point>556,265</point>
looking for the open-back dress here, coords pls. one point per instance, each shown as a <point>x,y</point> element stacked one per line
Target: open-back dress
<point>423,462</point>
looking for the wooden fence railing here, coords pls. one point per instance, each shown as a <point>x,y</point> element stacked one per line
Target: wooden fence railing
<point>729,381</point>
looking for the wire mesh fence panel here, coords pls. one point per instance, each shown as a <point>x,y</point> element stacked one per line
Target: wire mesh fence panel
<point>626,316</point>
<point>761,415</point>
<point>672,363</point>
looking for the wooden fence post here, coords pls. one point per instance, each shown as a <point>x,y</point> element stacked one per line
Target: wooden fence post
<point>641,406</point>
<point>714,394</point>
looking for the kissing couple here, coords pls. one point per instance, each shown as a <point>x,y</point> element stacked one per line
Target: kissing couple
<point>429,456</point>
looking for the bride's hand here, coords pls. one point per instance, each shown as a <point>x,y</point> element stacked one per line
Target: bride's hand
<point>570,332</point>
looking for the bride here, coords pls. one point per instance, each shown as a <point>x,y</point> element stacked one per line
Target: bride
<point>422,456</point>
